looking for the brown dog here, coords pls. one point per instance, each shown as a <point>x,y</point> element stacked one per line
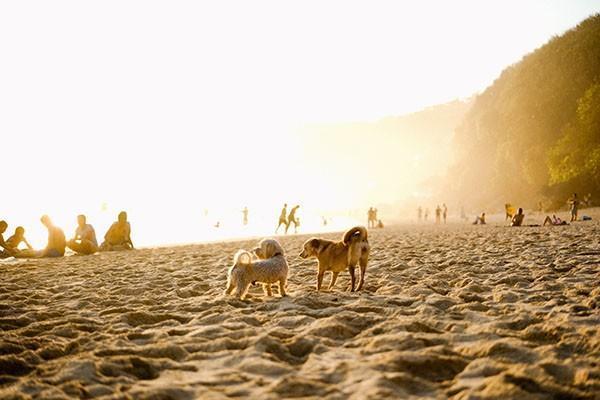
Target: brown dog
<point>337,256</point>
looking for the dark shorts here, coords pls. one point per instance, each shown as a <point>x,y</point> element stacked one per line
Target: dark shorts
<point>52,253</point>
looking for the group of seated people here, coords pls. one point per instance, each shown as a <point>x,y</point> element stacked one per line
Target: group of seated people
<point>518,218</point>
<point>118,237</point>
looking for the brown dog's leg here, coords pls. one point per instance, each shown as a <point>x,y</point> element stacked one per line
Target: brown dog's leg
<point>363,270</point>
<point>320,279</point>
<point>352,277</point>
<point>334,276</point>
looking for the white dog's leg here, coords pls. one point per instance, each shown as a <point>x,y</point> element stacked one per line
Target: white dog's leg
<point>282,283</point>
<point>230,286</point>
<point>267,289</point>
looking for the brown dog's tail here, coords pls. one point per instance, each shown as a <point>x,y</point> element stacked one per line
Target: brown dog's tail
<point>358,233</point>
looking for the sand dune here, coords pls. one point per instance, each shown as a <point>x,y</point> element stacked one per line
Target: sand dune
<point>457,311</point>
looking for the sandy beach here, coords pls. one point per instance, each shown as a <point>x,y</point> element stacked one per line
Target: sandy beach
<point>455,311</point>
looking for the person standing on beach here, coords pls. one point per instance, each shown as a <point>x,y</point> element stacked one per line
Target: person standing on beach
<point>426,215</point>
<point>574,201</point>
<point>84,242</point>
<point>245,214</point>
<point>445,213</point>
<point>118,236</point>
<point>419,213</point>
<point>56,239</point>
<point>292,218</point>
<point>438,214</point>
<point>370,217</point>
<point>282,218</point>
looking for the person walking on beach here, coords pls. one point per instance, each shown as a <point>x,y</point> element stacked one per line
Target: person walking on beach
<point>419,214</point>
<point>56,239</point>
<point>426,215</point>
<point>370,217</point>
<point>445,213</point>
<point>282,218</point>
<point>438,214</point>
<point>574,202</point>
<point>84,242</point>
<point>292,218</point>
<point>245,214</point>
<point>118,236</point>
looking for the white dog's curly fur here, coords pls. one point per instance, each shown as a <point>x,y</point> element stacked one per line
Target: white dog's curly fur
<point>270,268</point>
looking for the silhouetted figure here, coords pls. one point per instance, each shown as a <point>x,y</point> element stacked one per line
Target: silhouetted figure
<point>5,250</point>
<point>438,214</point>
<point>84,241</point>
<point>517,219</point>
<point>56,239</point>
<point>245,214</point>
<point>419,214</point>
<point>370,218</point>
<point>426,215</point>
<point>282,218</point>
<point>324,221</point>
<point>480,220</point>
<point>554,221</point>
<point>118,236</point>
<point>574,202</point>
<point>445,212</point>
<point>379,224</point>
<point>15,240</point>
<point>292,218</point>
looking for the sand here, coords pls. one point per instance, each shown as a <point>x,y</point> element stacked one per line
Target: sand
<point>447,312</point>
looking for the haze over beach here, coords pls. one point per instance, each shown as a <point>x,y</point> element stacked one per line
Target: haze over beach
<point>272,200</point>
<point>167,110</point>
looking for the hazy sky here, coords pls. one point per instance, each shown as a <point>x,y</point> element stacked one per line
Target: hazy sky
<point>140,103</point>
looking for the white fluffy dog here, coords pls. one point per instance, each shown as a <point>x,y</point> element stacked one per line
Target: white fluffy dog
<point>270,268</point>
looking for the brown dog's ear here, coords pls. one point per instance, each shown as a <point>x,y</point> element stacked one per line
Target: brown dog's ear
<point>315,243</point>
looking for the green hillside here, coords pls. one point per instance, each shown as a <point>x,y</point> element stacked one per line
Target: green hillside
<point>534,134</point>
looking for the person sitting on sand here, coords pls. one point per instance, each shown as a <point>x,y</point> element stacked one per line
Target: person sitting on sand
<point>118,236</point>
<point>84,242</point>
<point>5,250</point>
<point>15,240</point>
<point>480,220</point>
<point>56,240</point>
<point>517,219</point>
<point>510,211</point>
<point>554,221</point>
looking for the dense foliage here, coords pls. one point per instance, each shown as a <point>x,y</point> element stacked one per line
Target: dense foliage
<point>534,134</point>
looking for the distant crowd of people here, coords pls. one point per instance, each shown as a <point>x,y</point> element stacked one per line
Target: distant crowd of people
<point>440,213</point>
<point>118,237</point>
